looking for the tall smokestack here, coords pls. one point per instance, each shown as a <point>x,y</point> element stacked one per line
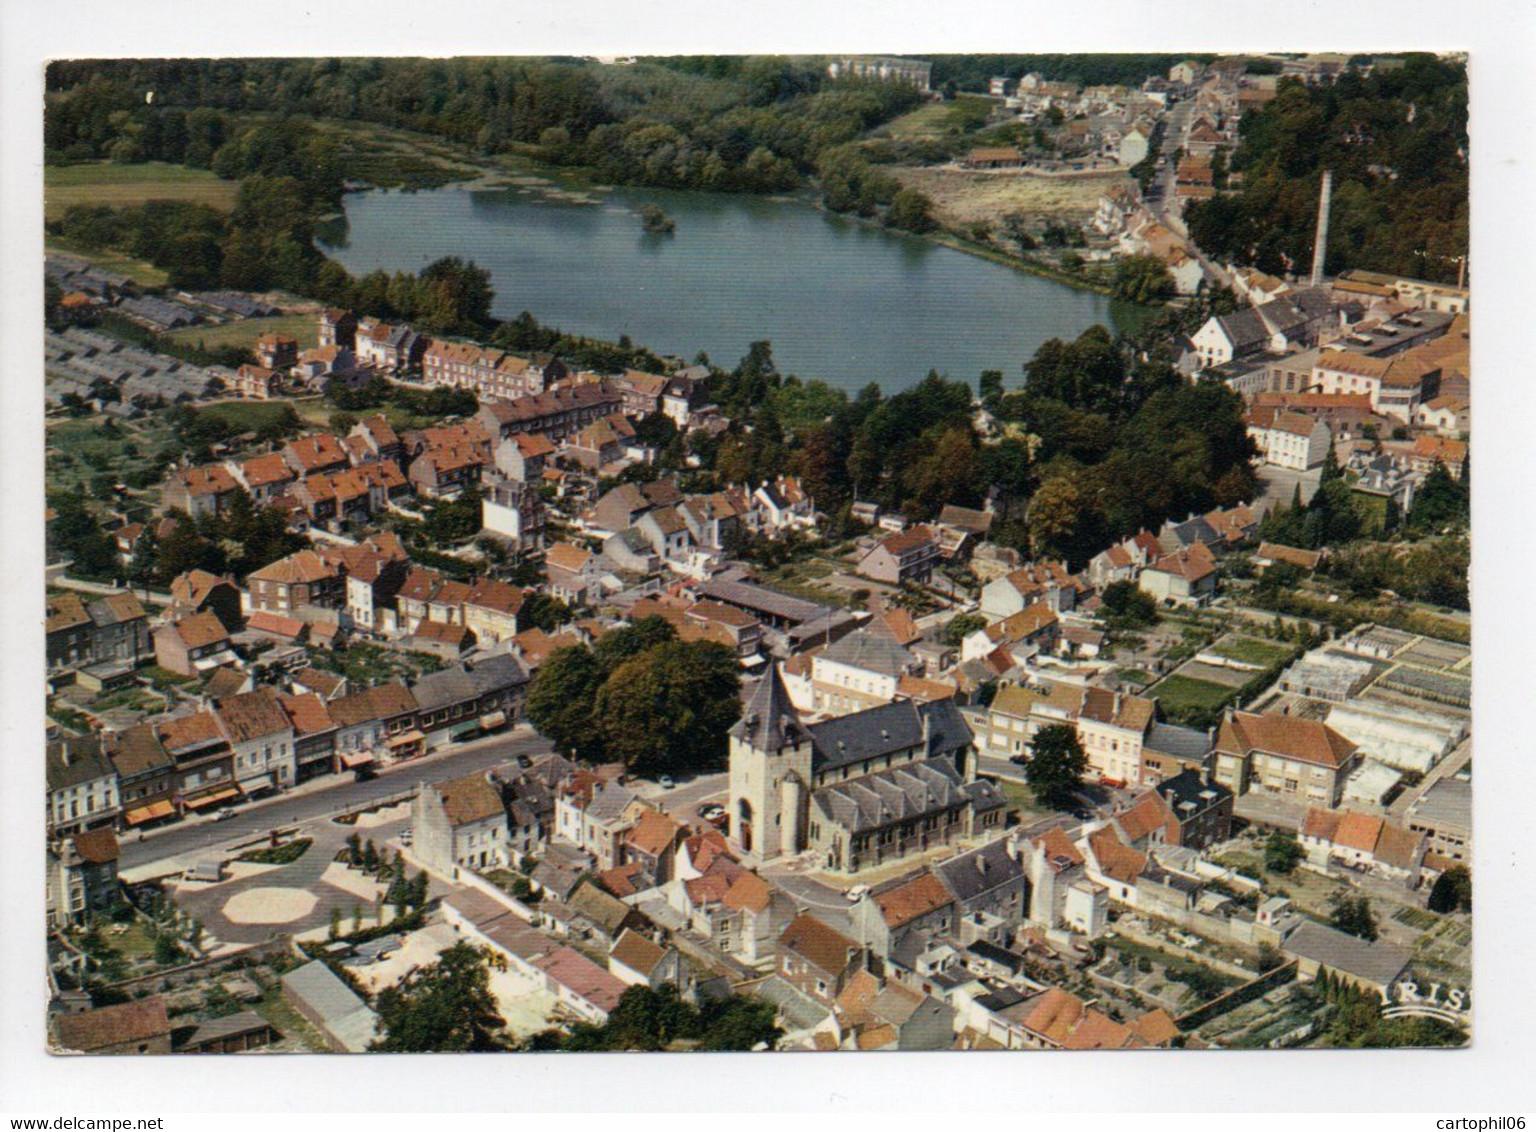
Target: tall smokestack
<point>1320,246</point>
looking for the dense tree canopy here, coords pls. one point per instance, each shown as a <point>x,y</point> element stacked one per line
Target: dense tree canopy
<point>447,1007</point>
<point>654,1020</point>
<point>1396,142</point>
<point>641,696</point>
<point>745,124</point>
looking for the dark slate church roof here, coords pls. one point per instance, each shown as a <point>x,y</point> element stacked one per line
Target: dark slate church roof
<point>769,721</point>
<point>888,729</point>
<point>901,793</point>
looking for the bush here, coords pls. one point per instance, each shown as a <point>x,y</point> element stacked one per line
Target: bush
<point>284,854</point>
<point>1282,853</point>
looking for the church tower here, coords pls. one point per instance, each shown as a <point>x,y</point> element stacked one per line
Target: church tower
<point>770,775</point>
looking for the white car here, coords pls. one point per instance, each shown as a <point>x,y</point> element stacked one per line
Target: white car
<point>223,815</point>
<point>858,892</point>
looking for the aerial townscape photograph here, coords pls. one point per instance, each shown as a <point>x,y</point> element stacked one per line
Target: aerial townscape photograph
<point>872,551</point>
<point>446,653</point>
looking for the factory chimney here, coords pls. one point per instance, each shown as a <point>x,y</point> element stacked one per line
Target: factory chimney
<point>1320,246</point>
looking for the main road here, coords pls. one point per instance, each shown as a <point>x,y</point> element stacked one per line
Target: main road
<point>331,795</point>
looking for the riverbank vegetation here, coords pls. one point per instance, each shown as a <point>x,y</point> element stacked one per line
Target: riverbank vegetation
<point>728,123</point>
<point>1396,141</point>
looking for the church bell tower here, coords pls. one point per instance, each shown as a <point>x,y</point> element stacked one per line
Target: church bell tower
<point>770,773</point>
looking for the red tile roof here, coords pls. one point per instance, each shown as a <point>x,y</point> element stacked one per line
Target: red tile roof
<point>918,897</point>
<point>823,947</point>
<point>1306,740</point>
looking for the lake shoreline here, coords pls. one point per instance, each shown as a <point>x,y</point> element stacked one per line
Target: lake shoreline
<point>898,303</point>
<point>493,175</point>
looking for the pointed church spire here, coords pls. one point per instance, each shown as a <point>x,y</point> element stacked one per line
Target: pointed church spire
<point>769,722</point>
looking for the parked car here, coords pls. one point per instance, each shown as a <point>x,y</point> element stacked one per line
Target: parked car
<point>713,813</point>
<point>665,782</point>
<point>223,815</point>
<point>857,893</point>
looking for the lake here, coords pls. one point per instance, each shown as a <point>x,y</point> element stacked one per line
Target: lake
<point>840,300</point>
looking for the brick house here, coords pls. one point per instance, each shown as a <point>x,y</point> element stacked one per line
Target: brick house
<point>302,579</point>
<point>193,645</point>
<point>818,960</point>
<point>908,556</point>
<point>1302,760</point>
<point>109,630</point>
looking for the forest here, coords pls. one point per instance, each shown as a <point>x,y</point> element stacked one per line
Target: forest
<point>1396,141</point>
<point>1103,439</point>
<point>972,72</point>
<point>739,124</point>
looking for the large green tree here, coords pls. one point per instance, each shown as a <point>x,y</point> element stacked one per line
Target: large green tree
<point>1143,279</point>
<point>1452,891</point>
<point>669,708</point>
<point>651,1020</point>
<point>561,698</point>
<point>447,1007</point>
<point>1353,914</point>
<point>1056,765</point>
<point>1440,502</point>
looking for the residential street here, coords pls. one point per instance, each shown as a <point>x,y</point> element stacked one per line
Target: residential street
<point>683,801</point>
<point>338,792</point>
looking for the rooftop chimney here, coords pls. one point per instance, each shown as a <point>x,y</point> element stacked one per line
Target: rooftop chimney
<point>1320,244</point>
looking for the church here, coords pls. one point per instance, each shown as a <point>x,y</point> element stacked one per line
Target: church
<point>859,790</point>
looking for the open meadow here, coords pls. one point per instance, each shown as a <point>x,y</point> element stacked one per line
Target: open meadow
<point>122,186</point>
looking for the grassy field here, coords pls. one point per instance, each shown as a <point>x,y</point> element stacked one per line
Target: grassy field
<point>1250,650</point>
<point>936,119</point>
<point>121,186</point>
<point>962,198</point>
<point>1178,694</point>
<point>144,274</point>
<point>247,416</point>
<point>80,450</point>
<point>244,332</point>
<point>1021,799</point>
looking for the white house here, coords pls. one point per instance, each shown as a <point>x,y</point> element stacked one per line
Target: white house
<point>1048,581</point>
<point>461,823</point>
<point>1289,439</point>
<point>1133,145</point>
<point>1186,271</point>
<point>82,785</point>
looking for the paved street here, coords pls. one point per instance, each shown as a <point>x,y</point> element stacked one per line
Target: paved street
<point>684,800</point>
<point>339,792</point>
<point>1279,485</point>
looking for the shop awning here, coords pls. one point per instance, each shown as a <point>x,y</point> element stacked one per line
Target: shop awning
<point>212,798</point>
<point>405,740</point>
<point>152,812</point>
<point>260,782</point>
<point>493,720</point>
<point>354,759</point>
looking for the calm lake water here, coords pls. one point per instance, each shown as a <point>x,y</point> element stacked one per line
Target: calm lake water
<point>840,300</point>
